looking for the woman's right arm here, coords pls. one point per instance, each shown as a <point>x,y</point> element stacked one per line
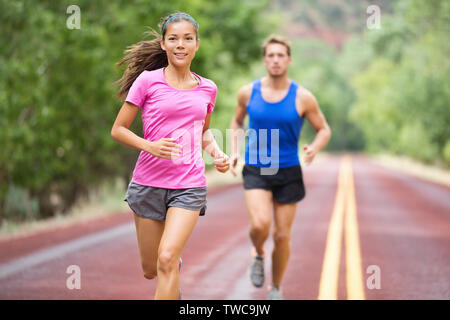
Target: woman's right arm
<point>163,148</point>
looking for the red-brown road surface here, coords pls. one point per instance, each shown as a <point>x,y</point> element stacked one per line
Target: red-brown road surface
<point>403,224</point>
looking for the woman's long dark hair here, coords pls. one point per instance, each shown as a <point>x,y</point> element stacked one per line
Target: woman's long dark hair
<point>147,55</point>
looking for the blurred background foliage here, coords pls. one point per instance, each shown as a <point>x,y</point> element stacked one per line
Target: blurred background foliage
<point>381,90</point>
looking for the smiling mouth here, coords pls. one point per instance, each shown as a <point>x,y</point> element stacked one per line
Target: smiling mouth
<point>180,54</point>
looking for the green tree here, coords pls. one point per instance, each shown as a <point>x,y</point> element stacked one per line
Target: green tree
<point>402,97</point>
<point>315,66</point>
<point>57,102</point>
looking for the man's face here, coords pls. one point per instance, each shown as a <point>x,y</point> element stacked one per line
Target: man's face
<point>277,60</point>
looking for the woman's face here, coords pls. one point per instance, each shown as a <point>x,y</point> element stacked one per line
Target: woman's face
<point>180,43</point>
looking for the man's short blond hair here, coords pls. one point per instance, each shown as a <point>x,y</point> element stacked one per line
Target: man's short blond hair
<point>276,39</point>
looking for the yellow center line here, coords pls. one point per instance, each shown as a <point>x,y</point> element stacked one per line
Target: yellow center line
<point>344,208</point>
<point>330,269</point>
<point>355,288</point>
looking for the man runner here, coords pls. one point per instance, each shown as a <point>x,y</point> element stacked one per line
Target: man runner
<point>273,183</point>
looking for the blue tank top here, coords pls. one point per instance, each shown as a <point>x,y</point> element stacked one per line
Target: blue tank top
<point>273,130</point>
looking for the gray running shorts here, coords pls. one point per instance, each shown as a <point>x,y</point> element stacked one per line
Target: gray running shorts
<point>152,202</point>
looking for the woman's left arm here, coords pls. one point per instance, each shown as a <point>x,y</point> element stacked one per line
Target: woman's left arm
<point>209,144</point>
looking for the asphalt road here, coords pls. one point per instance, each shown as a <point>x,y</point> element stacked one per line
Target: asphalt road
<point>362,232</point>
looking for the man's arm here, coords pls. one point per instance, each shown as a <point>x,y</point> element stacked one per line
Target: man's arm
<point>308,108</point>
<point>237,124</point>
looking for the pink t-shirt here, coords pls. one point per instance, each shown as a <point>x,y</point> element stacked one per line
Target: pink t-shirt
<point>168,112</point>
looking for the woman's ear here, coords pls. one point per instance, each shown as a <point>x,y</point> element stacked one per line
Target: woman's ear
<point>198,44</point>
<point>162,45</point>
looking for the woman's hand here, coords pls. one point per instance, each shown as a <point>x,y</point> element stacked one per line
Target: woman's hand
<point>222,163</point>
<point>164,148</point>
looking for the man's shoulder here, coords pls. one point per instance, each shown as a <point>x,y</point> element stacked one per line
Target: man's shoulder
<point>305,95</point>
<point>246,89</point>
<point>305,99</point>
<point>244,94</point>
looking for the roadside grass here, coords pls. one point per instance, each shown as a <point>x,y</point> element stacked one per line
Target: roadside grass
<point>107,200</point>
<point>415,168</point>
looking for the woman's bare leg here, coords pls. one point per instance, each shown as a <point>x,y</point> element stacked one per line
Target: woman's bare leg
<point>149,233</point>
<point>178,227</point>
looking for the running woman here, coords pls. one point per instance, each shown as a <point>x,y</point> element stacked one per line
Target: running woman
<point>273,183</point>
<point>168,189</point>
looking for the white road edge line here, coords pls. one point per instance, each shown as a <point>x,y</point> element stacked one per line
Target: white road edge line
<point>45,255</point>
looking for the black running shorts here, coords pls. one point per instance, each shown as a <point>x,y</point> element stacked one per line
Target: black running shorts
<point>286,184</point>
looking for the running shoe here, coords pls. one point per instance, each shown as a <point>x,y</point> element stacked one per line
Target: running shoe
<point>257,271</point>
<point>274,294</point>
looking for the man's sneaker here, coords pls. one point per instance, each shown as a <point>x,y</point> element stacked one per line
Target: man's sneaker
<point>257,271</point>
<point>274,294</point>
